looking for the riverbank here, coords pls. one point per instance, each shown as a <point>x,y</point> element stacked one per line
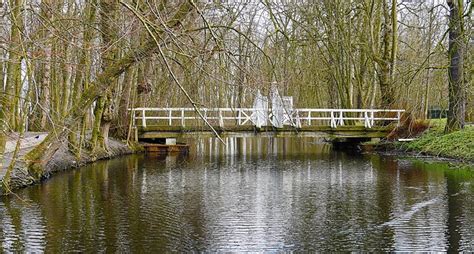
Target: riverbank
<point>62,160</point>
<point>458,145</point>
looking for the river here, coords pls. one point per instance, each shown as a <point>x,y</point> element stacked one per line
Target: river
<point>256,194</point>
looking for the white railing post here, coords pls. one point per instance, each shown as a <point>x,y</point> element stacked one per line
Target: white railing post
<point>372,118</point>
<point>240,116</point>
<point>367,120</point>
<point>333,120</point>
<point>143,118</point>
<point>398,118</point>
<point>170,120</point>
<point>221,121</point>
<point>298,119</point>
<point>258,111</point>
<point>341,119</point>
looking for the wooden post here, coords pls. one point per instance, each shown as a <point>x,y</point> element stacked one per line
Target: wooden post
<point>182,117</point>
<point>309,118</point>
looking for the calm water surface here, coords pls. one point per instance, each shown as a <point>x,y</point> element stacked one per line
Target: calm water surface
<point>255,195</point>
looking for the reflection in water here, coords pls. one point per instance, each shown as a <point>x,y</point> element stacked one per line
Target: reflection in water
<point>252,194</point>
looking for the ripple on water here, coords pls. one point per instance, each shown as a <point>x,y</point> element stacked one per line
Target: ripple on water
<point>22,228</point>
<point>325,203</point>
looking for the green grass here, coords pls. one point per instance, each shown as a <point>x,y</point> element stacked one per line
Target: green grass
<point>458,144</point>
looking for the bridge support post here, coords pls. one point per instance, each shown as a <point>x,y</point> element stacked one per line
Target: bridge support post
<point>170,141</point>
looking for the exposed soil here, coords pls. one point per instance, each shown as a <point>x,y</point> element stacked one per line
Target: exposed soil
<point>63,159</point>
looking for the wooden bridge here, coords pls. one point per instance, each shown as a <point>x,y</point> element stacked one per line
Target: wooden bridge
<point>151,123</point>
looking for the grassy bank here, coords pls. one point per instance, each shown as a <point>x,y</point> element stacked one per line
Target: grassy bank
<point>458,144</point>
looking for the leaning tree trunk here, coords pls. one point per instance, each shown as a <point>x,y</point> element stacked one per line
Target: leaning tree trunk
<point>82,77</point>
<point>104,112</point>
<point>457,91</point>
<point>40,155</point>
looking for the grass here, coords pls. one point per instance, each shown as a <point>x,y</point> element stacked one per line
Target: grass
<point>458,144</point>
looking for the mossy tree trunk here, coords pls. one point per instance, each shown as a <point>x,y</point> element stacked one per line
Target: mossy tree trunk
<point>13,77</point>
<point>82,78</point>
<point>104,112</point>
<point>45,96</point>
<point>457,90</point>
<point>387,58</point>
<point>39,156</point>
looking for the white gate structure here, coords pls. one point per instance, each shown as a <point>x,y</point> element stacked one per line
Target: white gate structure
<point>261,116</point>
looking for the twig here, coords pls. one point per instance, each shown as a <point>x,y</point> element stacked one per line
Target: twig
<point>165,60</point>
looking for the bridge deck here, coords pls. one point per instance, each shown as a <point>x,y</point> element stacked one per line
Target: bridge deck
<point>179,122</point>
<point>246,130</point>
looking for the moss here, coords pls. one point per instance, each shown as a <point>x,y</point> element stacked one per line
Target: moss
<point>458,144</point>
<point>135,147</point>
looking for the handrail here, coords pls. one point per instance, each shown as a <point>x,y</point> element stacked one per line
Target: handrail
<point>242,116</point>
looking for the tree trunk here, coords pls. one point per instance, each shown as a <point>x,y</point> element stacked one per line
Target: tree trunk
<point>40,155</point>
<point>82,77</point>
<point>13,84</point>
<point>387,61</point>
<point>108,12</point>
<point>123,118</point>
<point>425,100</point>
<point>457,91</point>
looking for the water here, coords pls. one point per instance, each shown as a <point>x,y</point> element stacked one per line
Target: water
<point>256,195</point>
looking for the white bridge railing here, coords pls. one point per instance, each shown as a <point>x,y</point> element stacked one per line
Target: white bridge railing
<point>263,117</point>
